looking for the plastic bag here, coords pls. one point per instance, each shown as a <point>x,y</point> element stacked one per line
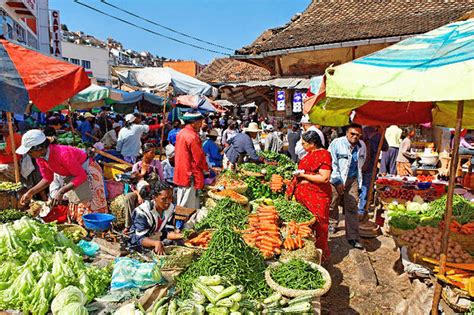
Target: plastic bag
<point>130,273</point>
<point>89,248</point>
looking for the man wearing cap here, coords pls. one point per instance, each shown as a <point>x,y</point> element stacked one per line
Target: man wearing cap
<point>87,128</point>
<point>129,140</point>
<point>241,147</point>
<point>212,151</point>
<point>307,126</point>
<point>110,138</point>
<point>190,161</point>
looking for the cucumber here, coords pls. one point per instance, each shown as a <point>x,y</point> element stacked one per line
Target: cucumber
<point>235,307</point>
<point>236,297</point>
<point>199,310</point>
<point>208,292</point>
<point>159,303</point>
<point>298,308</point>
<point>217,288</point>
<point>227,302</point>
<point>172,308</point>
<point>227,292</point>
<point>299,299</point>
<point>272,298</point>
<point>210,280</point>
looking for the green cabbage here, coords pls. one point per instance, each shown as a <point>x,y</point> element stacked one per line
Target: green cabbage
<point>73,309</point>
<point>67,296</point>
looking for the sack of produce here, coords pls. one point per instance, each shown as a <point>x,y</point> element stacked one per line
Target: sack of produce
<point>130,273</point>
<point>297,277</point>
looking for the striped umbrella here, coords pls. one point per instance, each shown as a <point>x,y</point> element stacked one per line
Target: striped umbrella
<point>29,76</point>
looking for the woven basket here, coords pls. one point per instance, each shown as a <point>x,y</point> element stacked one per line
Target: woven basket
<point>169,262</point>
<point>465,240</point>
<point>72,228</point>
<point>243,201</point>
<point>252,174</point>
<point>295,293</point>
<point>308,223</point>
<point>459,293</point>
<point>395,231</point>
<point>241,189</point>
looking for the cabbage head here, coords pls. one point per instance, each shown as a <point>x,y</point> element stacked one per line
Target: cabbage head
<point>68,295</point>
<point>73,309</point>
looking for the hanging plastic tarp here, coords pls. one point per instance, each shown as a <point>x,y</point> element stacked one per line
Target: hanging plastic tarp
<point>160,79</point>
<point>201,103</point>
<point>27,75</point>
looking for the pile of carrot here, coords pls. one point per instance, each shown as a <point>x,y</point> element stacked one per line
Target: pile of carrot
<point>263,232</point>
<point>457,227</point>
<point>276,183</point>
<point>296,233</point>
<point>202,240</point>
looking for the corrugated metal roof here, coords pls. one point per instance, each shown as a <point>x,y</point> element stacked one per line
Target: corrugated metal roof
<point>283,83</point>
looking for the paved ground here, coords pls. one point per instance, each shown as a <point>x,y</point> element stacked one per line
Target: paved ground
<point>365,282</point>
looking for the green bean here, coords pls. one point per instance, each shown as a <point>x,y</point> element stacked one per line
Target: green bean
<point>292,211</point>
<point>297,274</point>
<point>225,213</point>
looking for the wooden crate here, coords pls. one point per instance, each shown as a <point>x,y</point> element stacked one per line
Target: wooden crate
<point>182,213</point>
<point>8,201</point>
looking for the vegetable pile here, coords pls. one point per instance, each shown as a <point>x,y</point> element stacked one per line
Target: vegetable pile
<point>264,232</point>
<point>463,210</point>
<point>233,195</point>
<point>292,211</point>
<point>202,240</point>
<point>257,189</point>
<point>276,304</point>
<point>230,257</point>
<point>68,138</point>
<point>9,186</point>
<point>298,275</point>
<point>9,215</point>
<point>225,213</point>
<point>296,233</point>
<point>427,242</point>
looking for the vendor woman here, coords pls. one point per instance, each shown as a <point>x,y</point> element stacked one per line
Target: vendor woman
<point>83,177</point>
<point>311,186</point>
<point>152,221</point>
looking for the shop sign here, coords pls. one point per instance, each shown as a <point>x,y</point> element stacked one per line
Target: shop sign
<point>297,102</point>
<point>281,100</point>
<point>30,5</point>
<point>55,33</point>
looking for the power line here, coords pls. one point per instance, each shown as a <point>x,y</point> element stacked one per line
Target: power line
<point>165,27</point>
<point>150,31</point>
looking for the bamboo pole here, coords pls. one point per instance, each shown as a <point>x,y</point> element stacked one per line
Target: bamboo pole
<point>370,193</point>
<point>449,208</point>
<point>163,124</point>
<point>110,156</point>
<point>73,132</point>
<point>12,142</point>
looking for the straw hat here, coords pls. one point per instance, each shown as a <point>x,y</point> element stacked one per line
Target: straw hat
<point>88,115</point>
<point>253,127</point>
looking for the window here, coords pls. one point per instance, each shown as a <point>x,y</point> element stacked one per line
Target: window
<point>86,64</point>
<point>66,59</point>
<point>75,61</point>
<point>19,33</point>
<point>32,41</point>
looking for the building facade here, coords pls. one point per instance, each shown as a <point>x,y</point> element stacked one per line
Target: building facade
<point>95,60</point>
<point>26,22</point>
<point>190,67</point>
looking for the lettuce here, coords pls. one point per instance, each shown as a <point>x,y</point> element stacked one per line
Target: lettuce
<point>67,296</point>
<point>41,295</point>
<point>73,309</point>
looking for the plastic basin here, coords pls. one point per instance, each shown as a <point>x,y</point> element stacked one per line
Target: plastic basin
<point>98,221</point>
<point>423,185</point>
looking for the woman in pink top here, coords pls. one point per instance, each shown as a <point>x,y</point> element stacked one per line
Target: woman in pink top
<point>83,177</point>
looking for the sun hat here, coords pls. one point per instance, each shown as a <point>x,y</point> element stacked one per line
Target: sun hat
<point>30,139</point>
<point>212,133</point>
<point>253,127</point>
<point>116,125</point>
<point>130,118</point>
<point>88,115</point>
<point>191,117</point>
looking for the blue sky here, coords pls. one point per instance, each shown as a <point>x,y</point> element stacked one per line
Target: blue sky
<point>229,23</point>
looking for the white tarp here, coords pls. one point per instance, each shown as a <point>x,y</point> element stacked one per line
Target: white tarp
<point>159,79</point>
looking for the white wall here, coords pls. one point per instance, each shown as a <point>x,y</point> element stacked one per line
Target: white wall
<point>98,58</point>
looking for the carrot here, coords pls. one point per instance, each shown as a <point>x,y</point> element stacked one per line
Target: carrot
<point>299,241</point>
<point>266,248</point>
<point>277,251</point>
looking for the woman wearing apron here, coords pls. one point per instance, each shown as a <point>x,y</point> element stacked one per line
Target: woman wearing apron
<point>152,221</point>
<point>84,184</point>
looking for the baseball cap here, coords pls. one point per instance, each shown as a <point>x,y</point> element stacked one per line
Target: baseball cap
<point>169,151</point>
<point>116,125</point>
<point>30,139</point>
<point>130,118</point>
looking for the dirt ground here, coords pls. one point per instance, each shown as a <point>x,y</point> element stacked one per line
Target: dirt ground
<point>382,296</point>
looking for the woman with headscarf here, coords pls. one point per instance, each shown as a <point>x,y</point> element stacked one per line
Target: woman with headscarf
<point>83,176</point>
<point>311,187</point>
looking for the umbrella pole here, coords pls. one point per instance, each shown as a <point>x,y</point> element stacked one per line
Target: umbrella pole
<point>12,142</point>
<point>163,125</point>
<point>370,193</point>
<point>449,209</point>
<point>73,132</point>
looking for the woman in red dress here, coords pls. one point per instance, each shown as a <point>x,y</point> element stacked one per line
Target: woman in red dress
<point>312,189</point>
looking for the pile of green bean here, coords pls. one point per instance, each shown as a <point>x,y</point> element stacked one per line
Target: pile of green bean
<point>225,213</point>
<point>289,210</point>
<point>298,275</point>
<point>231,258</point>
<point>9,215</point>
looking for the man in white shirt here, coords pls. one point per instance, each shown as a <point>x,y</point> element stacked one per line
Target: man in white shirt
<point>306,125</point>
<point>388,163</point>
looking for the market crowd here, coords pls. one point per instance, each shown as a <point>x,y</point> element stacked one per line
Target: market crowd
<point>335,165</point>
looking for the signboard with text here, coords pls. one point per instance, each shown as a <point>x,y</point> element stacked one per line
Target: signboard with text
<point>55,34</point>
<point>280,100</point>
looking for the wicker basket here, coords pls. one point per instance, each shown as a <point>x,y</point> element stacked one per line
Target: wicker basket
<point>241,189</point>
<point>252,174</point>
<point>295,293</point>
<point>73,228</point>
<point>395,231</point>
<point>308,223</point>
<point>465,240</point>
<point>244,200</point>
<point>456,294</point>
<point>169,262</point>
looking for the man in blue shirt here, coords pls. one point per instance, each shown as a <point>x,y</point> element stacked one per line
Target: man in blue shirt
<point>241,147</point>
<point>348,157</point>
<point>212,151</point>
<point>86,128</point>
<point>174,132</point>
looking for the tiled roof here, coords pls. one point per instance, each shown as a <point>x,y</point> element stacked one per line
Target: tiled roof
<point>335,21</point>
<point>225,70</point>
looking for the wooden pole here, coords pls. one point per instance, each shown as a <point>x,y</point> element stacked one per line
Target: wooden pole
<point>449,208</point>
<point>110,156</point>
<point>163,125</point>
<point>370,193</point>
<point>12,142</point>
<point>73,132</point>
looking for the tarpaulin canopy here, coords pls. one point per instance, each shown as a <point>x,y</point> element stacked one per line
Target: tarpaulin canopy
<point>414,80</point>
<point>125,102</point>
<point>200,103</point>
<point>160,79</point>
<point>27,75</point>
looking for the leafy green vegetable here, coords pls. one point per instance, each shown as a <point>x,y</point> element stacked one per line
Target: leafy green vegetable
<point>297,274</point>
<point>225,213</point>
<point>463,210</point>
<point>68,295</point>
<point>9,215</point>
<point>290,210</point>
<point>74,309</point>
<point>231,258</point>
<point>257,190</point>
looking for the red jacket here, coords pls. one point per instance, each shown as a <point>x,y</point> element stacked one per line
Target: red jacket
<point>190,159</point>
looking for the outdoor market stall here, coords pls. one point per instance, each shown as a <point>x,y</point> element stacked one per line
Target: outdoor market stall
<point>407,84</point>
